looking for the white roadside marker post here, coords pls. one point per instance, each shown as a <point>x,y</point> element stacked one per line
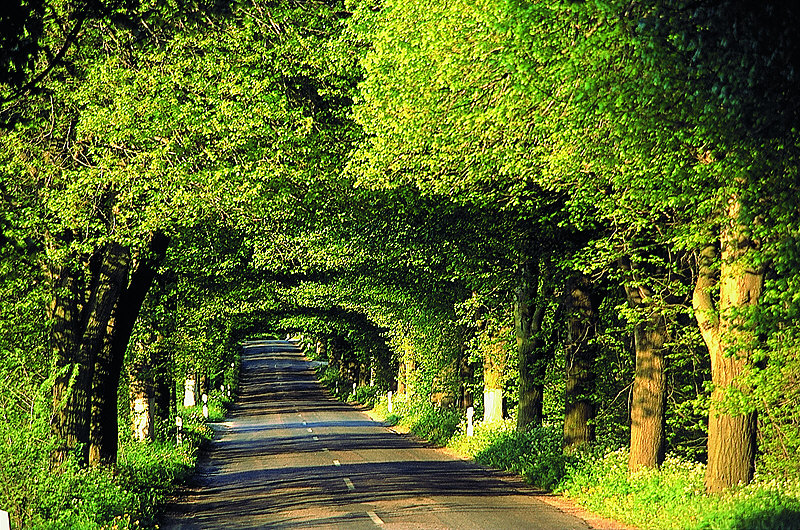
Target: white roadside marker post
<point>470,415</point>
<point>178,428</point>
<point>389,401</point>
<point>5,520</point>
<point>205,406</point>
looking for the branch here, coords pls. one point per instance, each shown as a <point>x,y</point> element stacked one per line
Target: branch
<point>702,303</point>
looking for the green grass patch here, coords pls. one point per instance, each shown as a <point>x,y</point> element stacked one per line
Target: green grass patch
<point>128,496</point>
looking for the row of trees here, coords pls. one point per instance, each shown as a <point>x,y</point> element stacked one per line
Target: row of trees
<point>582,210</point>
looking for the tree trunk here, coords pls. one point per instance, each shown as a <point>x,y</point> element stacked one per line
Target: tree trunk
<point>70,388</point>
<point>466,374</point>
<point>731,434</point>
<point>494,366</point>
<point>75,362</point>
<point>164,386</point>
<point>104,435</point>
<point>401,377</point>
<point>648,440</point>
<point>648,404</point>
<point>580,354</point>
<point>142,401</point>
<point>528,318</point>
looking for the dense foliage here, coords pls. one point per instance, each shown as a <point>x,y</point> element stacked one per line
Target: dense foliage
<point>578,214</point>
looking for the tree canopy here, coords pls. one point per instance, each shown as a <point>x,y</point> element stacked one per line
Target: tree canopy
<point>560,204</point>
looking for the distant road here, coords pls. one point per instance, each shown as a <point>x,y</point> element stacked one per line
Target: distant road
<point>289,456</point>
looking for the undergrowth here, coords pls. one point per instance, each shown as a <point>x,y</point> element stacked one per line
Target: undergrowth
<point>127,496</point>
<point>598,478</point>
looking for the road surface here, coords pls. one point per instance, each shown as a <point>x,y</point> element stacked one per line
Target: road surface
<point>289,456</point>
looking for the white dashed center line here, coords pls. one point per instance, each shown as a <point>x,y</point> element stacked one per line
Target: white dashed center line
<point>375,519</point>
<point>348,483</point>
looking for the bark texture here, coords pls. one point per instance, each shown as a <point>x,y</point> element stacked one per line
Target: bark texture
<point>77,347</point>
<point>580,354</point>
<point>528,318</point>
<point>104,434</point>
<point>738,285</point>
<point>648,403</point>
<point>648,440</point>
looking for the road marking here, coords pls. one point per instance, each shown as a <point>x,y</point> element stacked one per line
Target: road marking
<point>310,429</point>
<point>305,423</point>
<point>325,449</point>
<point>316,438</point>
<point>336,463</point>
<point>375,519</point>
<point>349,483</point>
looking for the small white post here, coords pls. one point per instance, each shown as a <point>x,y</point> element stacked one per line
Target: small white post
<point>389,401</point>
<point>205,406</point>
<point>179,427</point>
<point>354,388</point>
<point>222,389</point>
<point>470,415</point>
<point>5,521</point>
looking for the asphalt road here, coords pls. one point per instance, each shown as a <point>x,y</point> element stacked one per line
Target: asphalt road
<point>289,456</point>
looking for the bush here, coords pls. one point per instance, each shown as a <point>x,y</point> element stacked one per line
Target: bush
<point>674,497</point>
<point>366,395</point>
<point>127,496</point>
<point>434,424</point>
<point>534,454</point>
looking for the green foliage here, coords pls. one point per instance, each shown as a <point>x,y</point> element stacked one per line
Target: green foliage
<point>73,497</point>
<point>434,424</point>
<point>534,454</point>
<point>366,395</point>
<point>673,497</point>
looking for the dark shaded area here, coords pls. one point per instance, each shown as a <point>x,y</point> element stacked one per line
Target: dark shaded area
<point>770,519</point>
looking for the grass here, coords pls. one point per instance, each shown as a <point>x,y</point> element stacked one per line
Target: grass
<point>127,496</point>
<point>598,479</point>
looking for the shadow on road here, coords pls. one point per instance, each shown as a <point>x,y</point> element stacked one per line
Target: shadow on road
<point>278,382</point>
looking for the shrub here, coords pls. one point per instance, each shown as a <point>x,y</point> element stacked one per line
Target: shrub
<point>534,454</point>
<point>366,395</point>
<point>434,424</point>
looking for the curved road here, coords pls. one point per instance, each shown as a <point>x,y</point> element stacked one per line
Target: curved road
<point>289,456</point>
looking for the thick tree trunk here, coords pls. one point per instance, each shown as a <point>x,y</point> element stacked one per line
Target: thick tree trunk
<point>142,402</point>
<point>528,318</point>
<point>731,434</point>
<point>190,397</point>
<point>71,422</point>
<point>648,439</point>
<point>104,434</point>
<point>70,388</point>
<point>580,354</point>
